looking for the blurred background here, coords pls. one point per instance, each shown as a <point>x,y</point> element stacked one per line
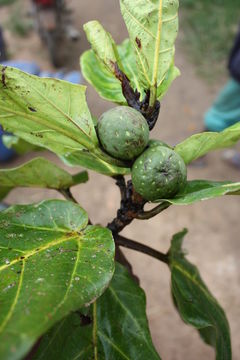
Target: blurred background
<point>207,32</point>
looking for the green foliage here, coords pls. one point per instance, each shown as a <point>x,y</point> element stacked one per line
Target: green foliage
<point>56,268</point>
<point>152,46</point>
<point>46,112</point>
<point>93,162</point>
<point>39,172</point>
<point>116,322</point>
<point>103,45</point>
<point>104,80</point>
<point>199,190</point>
<point>52,263</point>
<point>53,114</point>
<point>200,144</point>
<point>195,304</point>
<point>152,28</point>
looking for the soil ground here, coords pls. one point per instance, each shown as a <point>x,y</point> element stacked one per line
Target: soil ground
<point>213,239</point>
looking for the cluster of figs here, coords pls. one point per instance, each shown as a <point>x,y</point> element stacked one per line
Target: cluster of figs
<point>158,172</point>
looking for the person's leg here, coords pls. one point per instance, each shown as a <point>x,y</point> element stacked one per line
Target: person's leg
<point>225,111</point>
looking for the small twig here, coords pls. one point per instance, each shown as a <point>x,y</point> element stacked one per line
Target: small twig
<point>133,245</point>
<point>68,195</point>
<point>155,211</point>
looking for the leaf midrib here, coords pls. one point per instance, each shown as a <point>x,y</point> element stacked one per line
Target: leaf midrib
<point>178,267</point>
<point>110,288</point>
<point>28,254</point>
<point>14,303</point>
<point>157,47</point>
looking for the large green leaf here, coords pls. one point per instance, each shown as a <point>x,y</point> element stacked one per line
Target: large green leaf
<point>78,158</point>
<point>200,144</point>
<point>46,112</point>
<point>119,329</point>
<point>91,161</point>
<point>40,172</point>
<point>51,263</point>
<point>49,113</point>
<point>199,190</point>
<point>152,27</point>
<point>195,303</point>
<point>103,79</point>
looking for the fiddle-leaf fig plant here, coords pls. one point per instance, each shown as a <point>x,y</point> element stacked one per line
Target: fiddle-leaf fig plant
<point>66,289</point>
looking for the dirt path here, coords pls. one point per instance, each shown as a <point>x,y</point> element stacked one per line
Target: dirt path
<point>213,239</point>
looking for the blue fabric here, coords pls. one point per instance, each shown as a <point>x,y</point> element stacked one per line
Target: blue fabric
<point>5,154</point>
<point>225,111</point>
<point>26,66</point>
<point>74,77</point>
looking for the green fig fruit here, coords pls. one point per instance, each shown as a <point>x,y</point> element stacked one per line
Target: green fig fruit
<point>159,173</point>
<point>123,132</point>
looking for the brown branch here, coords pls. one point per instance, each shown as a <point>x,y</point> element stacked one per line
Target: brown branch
<point>134,245</point>
<point>131,205</point>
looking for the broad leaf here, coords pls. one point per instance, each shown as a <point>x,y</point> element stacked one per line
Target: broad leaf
<point>46,112</point>
<point>195,304</point>
<point>78,158</point>
<point>20,146</point>
<point>199,190</point>
<point>120,328</point>
<point>39,172</point>
<point>200,144</point>
<point>51,263</point>
<point>91,161</point>
<point>49,113</point>
<point>104,80</point>
<point>102,44</point>
<point>152,28</point>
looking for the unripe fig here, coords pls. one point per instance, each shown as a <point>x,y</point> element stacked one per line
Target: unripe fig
<point>123,132</point>
<point>159,173</point>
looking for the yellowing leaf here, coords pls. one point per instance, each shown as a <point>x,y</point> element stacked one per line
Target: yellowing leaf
<point>152,27</point>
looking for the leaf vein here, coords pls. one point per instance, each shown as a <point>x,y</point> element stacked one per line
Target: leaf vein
<point>11,310</point>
